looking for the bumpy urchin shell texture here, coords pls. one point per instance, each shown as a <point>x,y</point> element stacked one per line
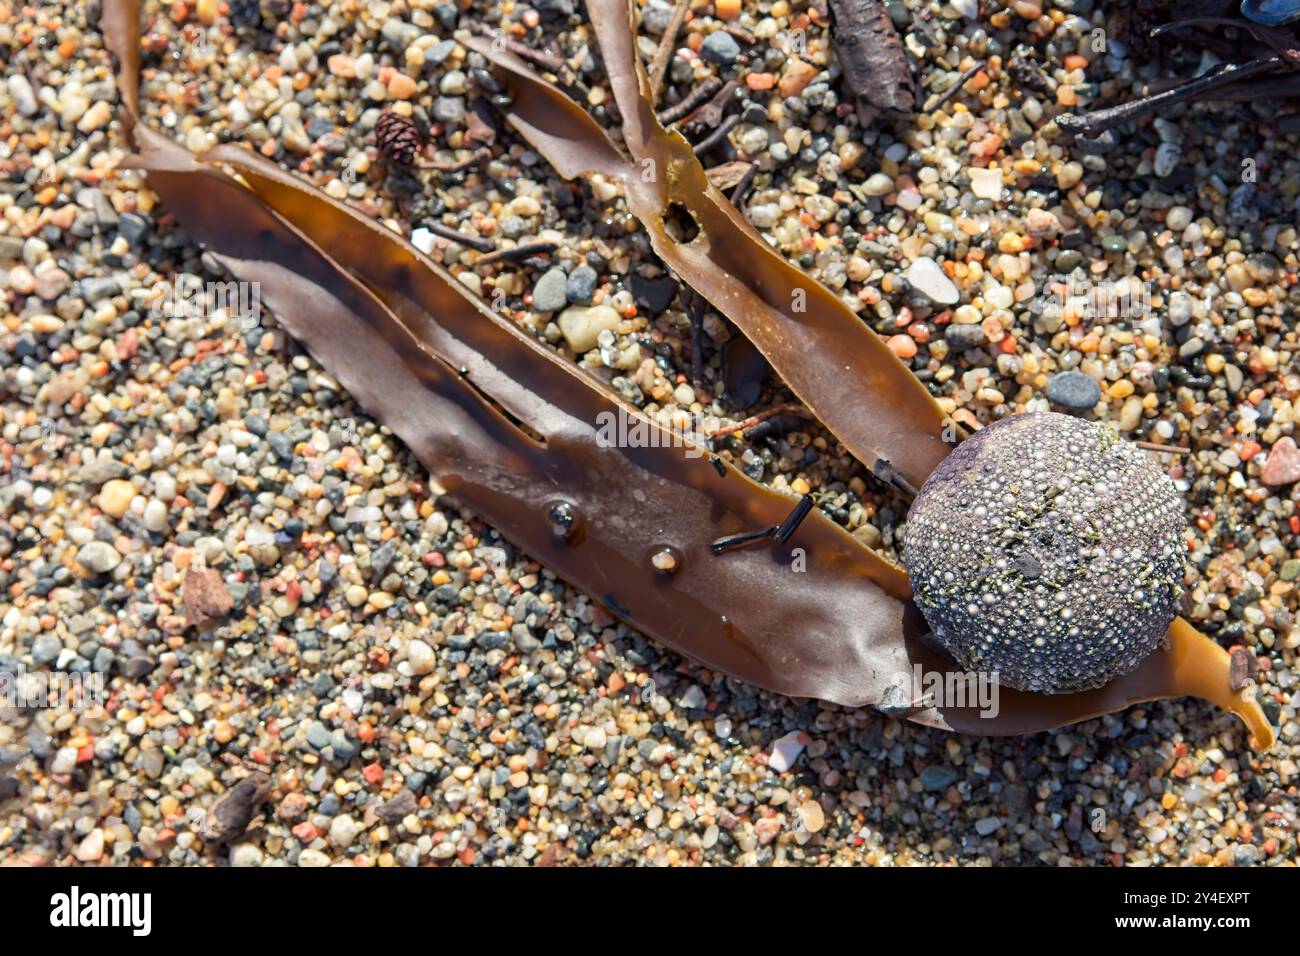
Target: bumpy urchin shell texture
<point>1046,549</point>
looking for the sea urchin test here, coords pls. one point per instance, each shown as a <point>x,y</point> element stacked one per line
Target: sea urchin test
<point>1049,551</point>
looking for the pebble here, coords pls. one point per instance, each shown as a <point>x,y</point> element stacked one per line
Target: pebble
<point>580,325</point>
<point>22,94</point>
<point>343,831</point>
<point>581,285</point>
<point>46,648</point>
<point>98,557</point>
<point>421,657</point>
<point>720,47</point>
<point>1074,391</point>
<point>786,750</point>
<point>115,497</point>
<point>91,848</point>
<point>935,778</point>
<point>1282,467</point>
<point>1168,155</point>
<point>878,184</point>
<point>549,293</point>
<point>962,337</point>
<point>812,816</point>
<point>986,183</point>
<point>927,278</point>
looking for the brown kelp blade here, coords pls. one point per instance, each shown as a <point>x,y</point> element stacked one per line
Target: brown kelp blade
<point>815,617</point>
<point>824,352</point>
<point>821,616</point>
<point>1192,666</point>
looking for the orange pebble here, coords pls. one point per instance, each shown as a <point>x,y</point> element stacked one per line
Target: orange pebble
<point>904,346</point>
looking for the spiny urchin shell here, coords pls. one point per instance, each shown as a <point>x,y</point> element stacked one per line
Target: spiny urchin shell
<point>1047,550</point>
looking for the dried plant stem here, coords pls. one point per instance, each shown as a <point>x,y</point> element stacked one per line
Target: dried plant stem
<point>480,243</point>
<point>937,101</point>
<point>690,101</point>
<point>547,61</point>
<point>1218,78</point>
<point>1167,449</point>
<point>517,252</point>
<point>664,55</point>
<point>752,420</point>
<point>717,136</point>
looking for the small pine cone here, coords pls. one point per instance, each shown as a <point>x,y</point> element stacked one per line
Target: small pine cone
<point>398,138</point>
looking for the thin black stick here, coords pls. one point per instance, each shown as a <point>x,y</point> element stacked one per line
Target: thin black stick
<point>1224,75</point>
<point>791,524</point>
<point>687,104</point>
<point>734,541</point>
<point>716,137</point>
<point>742,188</point>
<point>938,100</point>
<point>518,252</point>
<point>480,243</point>
<point>663,57</point>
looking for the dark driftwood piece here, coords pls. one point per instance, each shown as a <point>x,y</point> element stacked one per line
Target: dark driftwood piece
<point>876,70</point>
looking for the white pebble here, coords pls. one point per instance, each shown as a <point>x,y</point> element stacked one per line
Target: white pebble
<point>925,276</point>
<point>985,183</point>
<point>422,239</point>
<point>155,515</point>
<point>421,657</point>
<point>580,326</point>
<point>786,750</point>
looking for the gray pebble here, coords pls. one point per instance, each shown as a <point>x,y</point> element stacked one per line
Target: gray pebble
<point>46,649</point>
<point>1073,390</point>
<point>449,109</point>
<point>581,285</point>
<point>550,294</point>
<point>963,337</point>
<point>936,778</point>
<point>98,557</point>
<point>720,47</point>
